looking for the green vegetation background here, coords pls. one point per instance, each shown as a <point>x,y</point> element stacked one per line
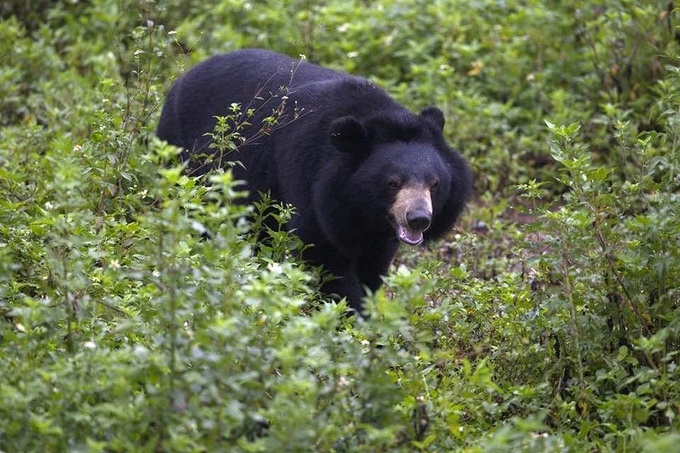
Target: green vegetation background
<point>549,321</point>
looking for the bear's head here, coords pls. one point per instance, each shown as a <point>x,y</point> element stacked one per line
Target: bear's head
<point>405,177</point>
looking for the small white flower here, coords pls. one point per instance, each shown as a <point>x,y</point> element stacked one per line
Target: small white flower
<point>352,54</point>
<point>343,28</point>
<point>365,349</point>
<point>114,264</point>
<point>275,268</point>
<point>539,435</point>
<point>140,351</point>
<point>90,345</point>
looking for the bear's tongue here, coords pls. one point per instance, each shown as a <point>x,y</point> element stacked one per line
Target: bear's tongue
<point>409,236</point>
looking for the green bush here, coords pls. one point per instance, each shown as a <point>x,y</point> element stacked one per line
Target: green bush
<point>140,313</point>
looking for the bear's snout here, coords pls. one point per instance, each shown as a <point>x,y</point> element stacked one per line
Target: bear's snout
<point>419,219</point>
<point>412,212</point>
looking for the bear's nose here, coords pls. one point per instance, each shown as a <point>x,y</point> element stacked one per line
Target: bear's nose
<point>418,219</point>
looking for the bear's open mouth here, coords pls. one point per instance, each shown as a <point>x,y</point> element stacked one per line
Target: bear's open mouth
<point>409,236</point>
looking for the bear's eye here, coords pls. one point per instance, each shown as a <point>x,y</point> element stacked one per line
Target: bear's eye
<point>434,186</point>
<point>393,184</point>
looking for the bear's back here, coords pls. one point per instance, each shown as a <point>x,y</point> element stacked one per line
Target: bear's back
<point>260,80</point>
<point>249,72</point>
<point>253,78</point>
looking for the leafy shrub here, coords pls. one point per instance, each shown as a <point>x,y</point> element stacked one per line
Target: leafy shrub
<point>139,313</point>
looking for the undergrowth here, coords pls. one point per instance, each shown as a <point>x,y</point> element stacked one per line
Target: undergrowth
<point>141,313</point>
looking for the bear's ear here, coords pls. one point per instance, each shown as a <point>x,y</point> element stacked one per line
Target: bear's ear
<point>348,134</point>
<point>435,115</point>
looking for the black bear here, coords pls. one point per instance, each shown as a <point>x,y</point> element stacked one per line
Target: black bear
<point>362,171</point>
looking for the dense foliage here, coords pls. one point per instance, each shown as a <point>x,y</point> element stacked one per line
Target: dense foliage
<point>139,314</point>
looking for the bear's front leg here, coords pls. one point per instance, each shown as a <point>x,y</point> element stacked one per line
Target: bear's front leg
<point>342,277</point>
<point>375,262</point>
<point>347,286</point>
